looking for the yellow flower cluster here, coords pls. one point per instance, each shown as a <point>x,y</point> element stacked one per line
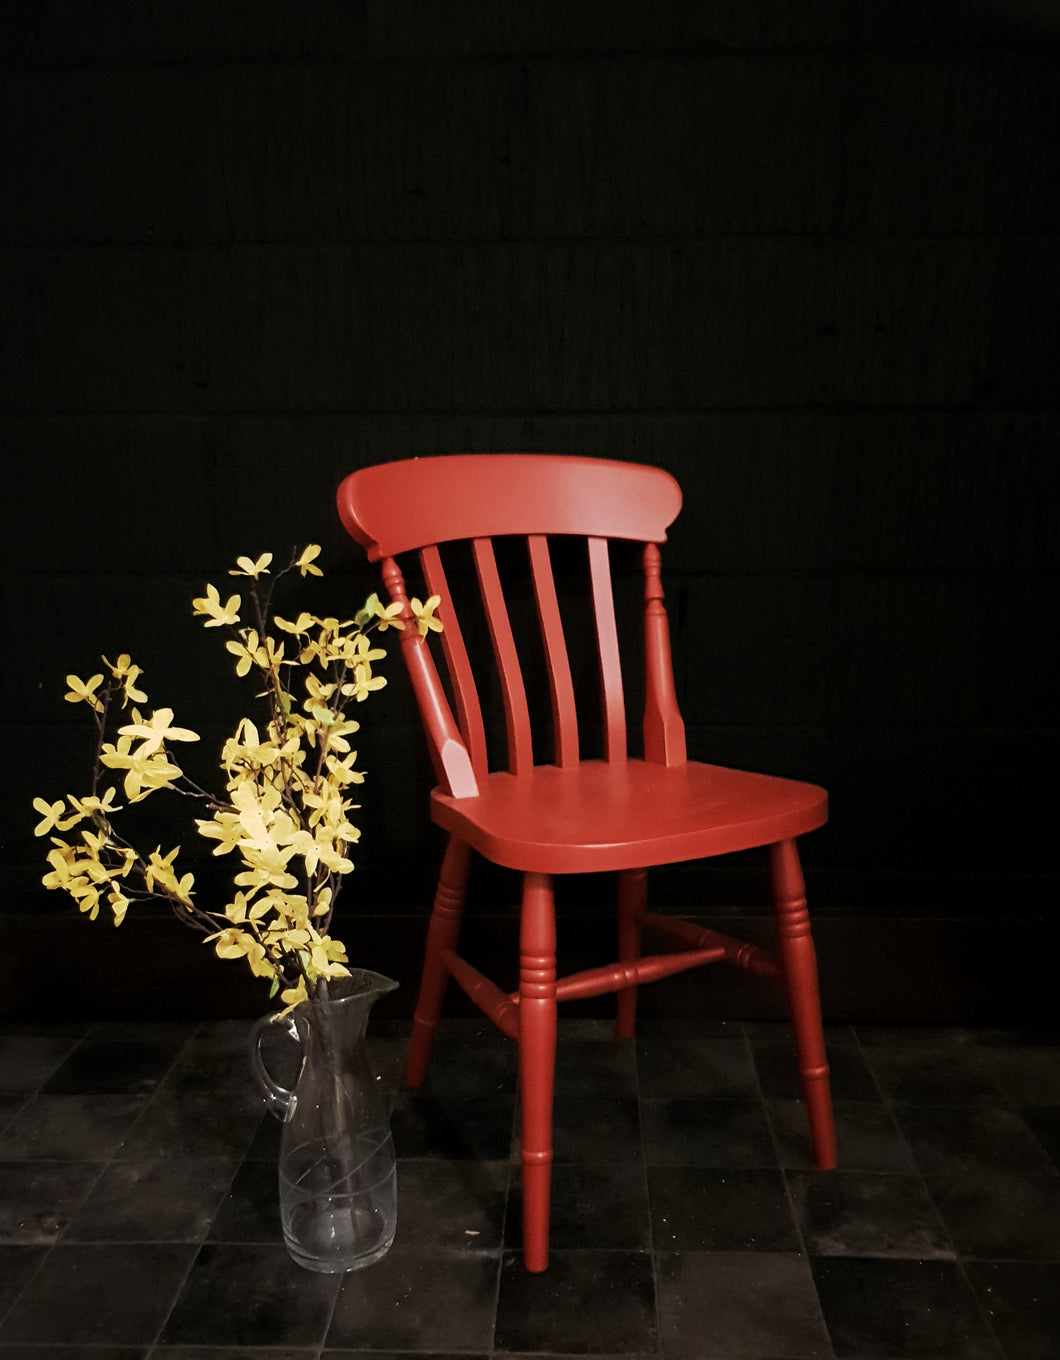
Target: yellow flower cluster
<point>287,806</point>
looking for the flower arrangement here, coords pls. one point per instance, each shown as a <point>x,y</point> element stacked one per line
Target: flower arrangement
<point>287,805</point>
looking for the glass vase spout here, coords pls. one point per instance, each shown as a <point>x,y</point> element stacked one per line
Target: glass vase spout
<point>338,1181</point>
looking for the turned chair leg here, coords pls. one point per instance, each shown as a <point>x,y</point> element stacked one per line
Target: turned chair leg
<point>441,936</point>
<point>632,899</point>
<point>537,1061</point>
<point>799,964</point>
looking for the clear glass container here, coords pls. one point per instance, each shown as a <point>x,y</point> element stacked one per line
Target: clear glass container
<point>338,1181</point>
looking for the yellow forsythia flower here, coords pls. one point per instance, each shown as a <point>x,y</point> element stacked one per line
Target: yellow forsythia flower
<point>305,562</point>
<point>84,691</point>
<point>216,612</point>
<point>52,817</point>
<point>246,567</point>
<point>425,620</point>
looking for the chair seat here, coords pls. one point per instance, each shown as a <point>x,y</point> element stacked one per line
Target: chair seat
<point>599,816</point>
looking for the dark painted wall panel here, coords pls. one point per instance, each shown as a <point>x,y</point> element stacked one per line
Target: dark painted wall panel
<point>804,256</point>
<point>851,491</point>
<point>576,146</point>
<point>560,326</point>
<point>63,32</point>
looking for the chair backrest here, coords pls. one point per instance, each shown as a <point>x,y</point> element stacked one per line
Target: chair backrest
<point>420,505</point>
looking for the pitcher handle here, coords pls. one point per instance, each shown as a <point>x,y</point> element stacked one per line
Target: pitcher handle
<point>277,1097</point>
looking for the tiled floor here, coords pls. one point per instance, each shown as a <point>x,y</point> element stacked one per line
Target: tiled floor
<point>138,1202</point>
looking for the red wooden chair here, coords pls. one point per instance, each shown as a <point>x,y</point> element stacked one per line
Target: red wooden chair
<point>573,815</point>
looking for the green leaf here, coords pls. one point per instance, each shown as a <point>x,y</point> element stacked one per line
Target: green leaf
<point>367,612</point>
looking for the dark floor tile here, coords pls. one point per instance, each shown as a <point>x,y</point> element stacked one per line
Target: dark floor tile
<point>392,1355</point>
<point>85,1295</point>
<point>386,1059</point>
<point>400,1026</point>
<point>586,1128</point>
<point>472,1059</point>
<point>968,1140</point>
<point>145,1031</point>
<point>426,1123</point>
<point>414,1300</point>
<point>667,1028</point>
<point>217,1061</point>
<point>901,1310</point>
<point>76,1353</point>
<point>850,1076</point>
<point>607,1068</point>
<point>695,1131</point>
<point>37,1199</point>
<point>11,1102</point>
<point>867,1136</point>
<point>233,1037</point>
<point>588,1029</point>
<point>601,1206</point>
<point>595,1302</point>
<point>1017,1036</point>
<point>1028,1075</point>
<point>747,1304</point>
<point>836,1035</point>
<point>163,1200</point>
<point>918,1067</point>
<point>929,1038</point>
<point>452,1205</point>
<point>250,1211</point>
<point>18,1264</point>
<point>1044,1123</point>
<point>1000,1215</point>
<point>680,1063</point>
<point>228,1353</point>
<point>114,1067</point>
<point>705,1209</point>
<point>72,1028</point>
<point>250,1295</point>
<point>28,1060</point>
<point>1022,1302</point>
<point>77,1128</point>
<point>265,1145</point>
<point>191,1124</point>
<point>857,1213</point>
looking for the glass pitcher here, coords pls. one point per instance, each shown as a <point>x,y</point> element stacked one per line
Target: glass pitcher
<point>338,1182</point>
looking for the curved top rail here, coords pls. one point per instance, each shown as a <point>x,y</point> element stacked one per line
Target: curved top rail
<point>392,508</point>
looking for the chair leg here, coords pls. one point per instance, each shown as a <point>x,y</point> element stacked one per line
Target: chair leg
<point>632,898</point>
<point>442,934</point>
<point>799,964</point>
<point>537,1061</point>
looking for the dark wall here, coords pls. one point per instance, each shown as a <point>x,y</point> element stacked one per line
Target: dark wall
<point>804,256</point>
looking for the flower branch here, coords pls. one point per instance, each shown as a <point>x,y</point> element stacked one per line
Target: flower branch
<point>287,809</point>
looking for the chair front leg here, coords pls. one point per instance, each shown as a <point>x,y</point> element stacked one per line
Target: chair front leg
<point>798,961</point>
<point>537,1061</point>
<point>442,935</point>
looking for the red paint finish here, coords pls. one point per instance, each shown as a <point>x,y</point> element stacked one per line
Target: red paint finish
<point>572,815</point>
